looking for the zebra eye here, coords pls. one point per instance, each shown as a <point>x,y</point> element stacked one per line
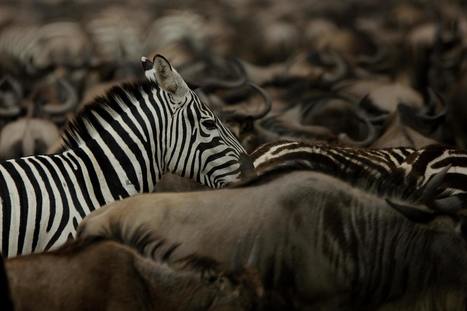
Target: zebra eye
<point>209,124</point>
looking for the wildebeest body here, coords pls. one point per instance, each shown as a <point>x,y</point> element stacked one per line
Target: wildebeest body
<point>34,281</point>
<point>104,275</point>
<point>316,240</point>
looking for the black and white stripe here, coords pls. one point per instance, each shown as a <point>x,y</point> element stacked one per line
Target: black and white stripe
<point>434,175</point>
<point>371,169</point>
<point>116,34</point>
<point>38,47</point>
<point>423,164</point>
<point>117,147</point>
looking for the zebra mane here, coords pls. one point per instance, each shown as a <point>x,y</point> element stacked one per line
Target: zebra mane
<point>79,126</point>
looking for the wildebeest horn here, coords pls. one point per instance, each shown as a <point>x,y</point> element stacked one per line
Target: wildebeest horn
<point>71,100</point>
<point>340,71</point>
<point>366,104</point>
<point>448,205</point>
<point>435,98</point>
<point>233,115</point>
<point>412,213</point>
<point>343,137</point>
<point>372,59</point>
<point>378,119</point>
<point>9,108</point>
<point>209,83</point>
<point>432,186</point>
<point>420,118</point>
<point>417,120</point>
<point>266,100</point>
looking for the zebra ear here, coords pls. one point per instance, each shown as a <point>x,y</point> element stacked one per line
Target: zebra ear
<point>165,75</point>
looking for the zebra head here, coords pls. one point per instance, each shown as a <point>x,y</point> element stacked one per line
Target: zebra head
<point>199,146</point>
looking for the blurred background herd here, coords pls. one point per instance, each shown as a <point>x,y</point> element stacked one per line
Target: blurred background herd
<point>359,73</point>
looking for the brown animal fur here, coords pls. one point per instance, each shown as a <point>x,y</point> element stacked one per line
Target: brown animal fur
<point>317,241</point>
<point>90,274</point>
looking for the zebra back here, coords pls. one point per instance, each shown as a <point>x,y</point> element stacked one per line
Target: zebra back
<point>372,169</point>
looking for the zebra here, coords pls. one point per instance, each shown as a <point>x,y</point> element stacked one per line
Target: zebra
<point>118,146</point>
<point>424,164</point>
<point>116,34</point>
<point>435,175</point>
<point>370,169</point>
<point>35,48</point>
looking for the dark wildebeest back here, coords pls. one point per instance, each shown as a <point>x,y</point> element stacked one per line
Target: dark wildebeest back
<point>5,299</point>
<point>314,239</point>
<point>92,274</point>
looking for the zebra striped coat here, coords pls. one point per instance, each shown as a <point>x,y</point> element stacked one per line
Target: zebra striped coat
<point>426,162</point>
<point>403,173</point>
<point>371,169</point>
<point>117,147</point>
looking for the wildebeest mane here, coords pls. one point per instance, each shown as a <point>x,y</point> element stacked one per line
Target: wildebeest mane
<point>198,263</point>
<point>142,237</point>
<point>138,240</point>
<point>73,247</point>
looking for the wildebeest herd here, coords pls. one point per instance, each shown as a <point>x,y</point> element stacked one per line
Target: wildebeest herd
<point>233,155</point>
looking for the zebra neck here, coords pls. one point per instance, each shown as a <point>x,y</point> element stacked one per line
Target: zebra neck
<point>111,175</point>
<point>125,135</point>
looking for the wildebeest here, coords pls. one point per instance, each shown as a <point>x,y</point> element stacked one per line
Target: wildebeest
<point>27,136</point>
<point>316,241</point>
<point>5,298</point>
<point>54,99</point>
<point>95,274</point>
<point>35,48</point>
<point>397,134</point>
<point>11,94</point>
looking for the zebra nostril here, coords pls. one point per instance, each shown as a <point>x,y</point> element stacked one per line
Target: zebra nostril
<point>247,168</point>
